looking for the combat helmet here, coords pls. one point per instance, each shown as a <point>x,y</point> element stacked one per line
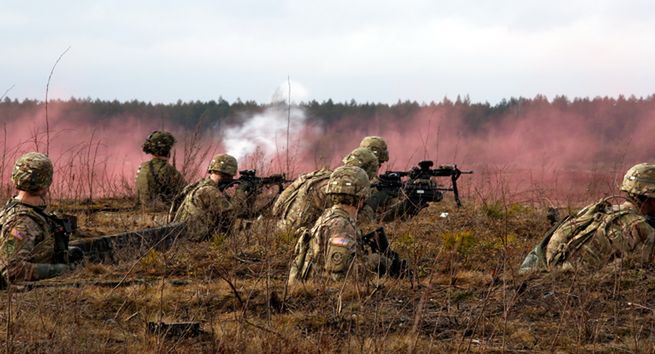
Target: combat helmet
<point>640,180</point>
<point>32,172</point>
<point>349,180</point>
<point>364,159</point>
<point>223,163</point>
<point>378,146</point>
<point>159,143</point>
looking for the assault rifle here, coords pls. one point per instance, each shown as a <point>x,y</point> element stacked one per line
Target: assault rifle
<point>253,186</point>
<point>251,182</point>
<point>419,186</point>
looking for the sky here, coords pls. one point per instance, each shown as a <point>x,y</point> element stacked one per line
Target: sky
<point>367,50</point>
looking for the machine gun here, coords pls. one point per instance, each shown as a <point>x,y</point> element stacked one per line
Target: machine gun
<point>250,182</point>
<point>419,186</point>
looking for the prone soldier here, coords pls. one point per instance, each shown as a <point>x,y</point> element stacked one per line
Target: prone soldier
<point>602,233</point>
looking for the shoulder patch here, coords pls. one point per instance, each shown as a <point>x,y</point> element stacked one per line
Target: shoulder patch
<point>17,234</point>
<point>341,241</point>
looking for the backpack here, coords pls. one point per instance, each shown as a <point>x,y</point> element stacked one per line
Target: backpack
<point>569,235</point>
<point>298,189</point>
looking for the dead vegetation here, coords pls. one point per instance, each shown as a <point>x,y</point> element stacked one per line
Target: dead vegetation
<point>464,296</point>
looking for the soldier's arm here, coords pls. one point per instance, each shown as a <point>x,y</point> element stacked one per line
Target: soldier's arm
<point>340,239</point>
<point>19,248</point>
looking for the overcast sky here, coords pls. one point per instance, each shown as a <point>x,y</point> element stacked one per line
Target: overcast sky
<point>370,50</point>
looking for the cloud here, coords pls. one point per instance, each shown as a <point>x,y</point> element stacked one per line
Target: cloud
<point>367,50</point>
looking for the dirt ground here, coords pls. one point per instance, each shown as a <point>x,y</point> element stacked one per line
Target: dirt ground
<point>464,294</point>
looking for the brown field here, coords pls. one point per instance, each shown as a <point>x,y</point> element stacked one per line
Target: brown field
<point>464,295</point>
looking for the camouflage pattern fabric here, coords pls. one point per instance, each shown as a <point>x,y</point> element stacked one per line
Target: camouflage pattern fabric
<point>159,143</point>
<point>32,172</point>
<point>157,183</point>
<point>333,248</point>
<point>302,202</point>
<point>622,233</point>
<point>206,210</point>
<point>615,233</point>
<point>378,146</point>
<point>26,244</point>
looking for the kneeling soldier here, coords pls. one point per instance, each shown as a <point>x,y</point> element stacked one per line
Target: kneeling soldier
<point>334,246</point>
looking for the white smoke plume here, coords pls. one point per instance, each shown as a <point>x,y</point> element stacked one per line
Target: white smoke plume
<point>264,135</point>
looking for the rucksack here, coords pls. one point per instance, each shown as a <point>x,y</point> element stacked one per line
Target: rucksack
<point>298,189</point>
<point>179,198</point>
<point>570,234</point>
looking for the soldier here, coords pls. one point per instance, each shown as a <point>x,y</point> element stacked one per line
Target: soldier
<point>302,202</point>
<point>379,201</point>
<point>601,232</point>
<point>28,247</point>
<point>334,246</point>
<point>157,181</point>
<point>206,208</point>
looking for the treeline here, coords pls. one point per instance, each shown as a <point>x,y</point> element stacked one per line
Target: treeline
<point>219,112</point>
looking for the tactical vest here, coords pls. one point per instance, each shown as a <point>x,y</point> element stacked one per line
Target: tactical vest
<point>571,236</point>
<point>294,203</point>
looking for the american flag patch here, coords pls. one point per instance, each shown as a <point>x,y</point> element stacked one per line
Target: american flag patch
<point>17,234</point>
<point>341,241</point>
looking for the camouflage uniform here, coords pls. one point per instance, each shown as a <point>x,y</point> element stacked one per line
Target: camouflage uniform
<point>206,208</point>
<point>303,201</point>
<point>334,245</point>
<point>624,233</point>
<point>301,204</point>
<point>157,181</point>
<point>601,233</point>
<point>27,244</point>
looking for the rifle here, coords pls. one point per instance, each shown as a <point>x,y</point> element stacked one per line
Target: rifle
<point>253,185</point>
<point>419,186</point>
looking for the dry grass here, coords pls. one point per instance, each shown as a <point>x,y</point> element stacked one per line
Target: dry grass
<point>464,296</point>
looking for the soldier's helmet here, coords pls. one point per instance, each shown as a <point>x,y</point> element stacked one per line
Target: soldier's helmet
<point>32,172</point>
<point>378,146</point>
<point>349,180</point>
<point>640,180</point>
<point>223,163</point>
<point>364,159</point>
<point>159,143</point>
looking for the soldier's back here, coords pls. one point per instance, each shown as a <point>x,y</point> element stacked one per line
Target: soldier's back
<point>157,183</point>
<point>205,208</point>
<point>303,202</point>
